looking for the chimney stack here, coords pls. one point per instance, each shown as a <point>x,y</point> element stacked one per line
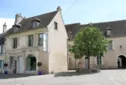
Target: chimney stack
<point>59,8</point>
<point>4,27</point>
<point>18,18</point>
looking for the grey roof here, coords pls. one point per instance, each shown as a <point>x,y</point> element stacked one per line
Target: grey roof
<point>72,30</point>
<point>2,39</point>
<point>26,23</point>
<point>118,28</point>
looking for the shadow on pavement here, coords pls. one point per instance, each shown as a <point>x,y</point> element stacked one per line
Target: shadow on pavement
<point>9,76</point>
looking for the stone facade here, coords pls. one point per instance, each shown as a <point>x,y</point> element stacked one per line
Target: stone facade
<point>109,60</point>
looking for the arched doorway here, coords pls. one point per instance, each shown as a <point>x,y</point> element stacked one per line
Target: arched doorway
<point>121,61</point>
<point>31,63</point>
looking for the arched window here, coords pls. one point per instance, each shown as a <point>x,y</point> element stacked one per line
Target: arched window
<point>31,63</point>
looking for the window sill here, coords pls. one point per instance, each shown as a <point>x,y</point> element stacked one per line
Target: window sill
<point>99,65</point>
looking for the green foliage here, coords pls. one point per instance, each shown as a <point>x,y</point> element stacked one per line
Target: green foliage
<point>89,42</point>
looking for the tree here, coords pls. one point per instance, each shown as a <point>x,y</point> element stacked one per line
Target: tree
<point>90,41</point>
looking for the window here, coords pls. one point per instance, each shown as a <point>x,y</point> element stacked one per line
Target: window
<point>15,29</point>
<point>14,42</point>
<point>110,45</point>
<point>108,33</point>
<point>40,39</point>
<point>30,40</point>
<point>55,25</point>
<point>99,60</point>
<point>11,61</point>
<point>1,64</point>
<point>45,42</point>
<point>1,49</point>
<point>35,24</point>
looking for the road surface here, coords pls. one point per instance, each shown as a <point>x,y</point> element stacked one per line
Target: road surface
<point>105,77</point>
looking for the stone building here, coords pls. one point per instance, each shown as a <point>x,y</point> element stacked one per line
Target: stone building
<point>115,57</point>
<point>41,38</point>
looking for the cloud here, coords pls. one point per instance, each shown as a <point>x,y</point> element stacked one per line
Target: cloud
<point>8,21</point>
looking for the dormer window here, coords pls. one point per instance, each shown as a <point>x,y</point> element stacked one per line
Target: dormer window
<point>70,35</point>
<point>16,27</point>
<point>108,32</point>
<point>36,22</point>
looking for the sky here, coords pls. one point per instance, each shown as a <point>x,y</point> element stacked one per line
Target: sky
<point>83,11</point>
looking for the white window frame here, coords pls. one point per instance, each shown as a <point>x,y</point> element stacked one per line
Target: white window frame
<point>35,24</point>
<point>97,60</point>
<point>45,41</point>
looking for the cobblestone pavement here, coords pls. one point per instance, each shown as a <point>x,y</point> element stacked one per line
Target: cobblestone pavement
<point>105,77</point>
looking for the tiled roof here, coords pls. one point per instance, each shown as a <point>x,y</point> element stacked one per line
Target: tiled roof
<point>2,39</point>
<point>72,29</point>
<point>118,28</point>
<point>26,23</point>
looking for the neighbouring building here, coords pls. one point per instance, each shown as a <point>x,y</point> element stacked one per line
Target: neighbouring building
<point>41,38</point>
<point>2,48</point>
<point>115,57</point>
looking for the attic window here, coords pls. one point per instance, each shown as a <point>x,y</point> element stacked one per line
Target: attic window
<point>55,25</point>
<point>35,24</point>
<point>16,27</point>
<point>108,31</point>
<point>70,35</point>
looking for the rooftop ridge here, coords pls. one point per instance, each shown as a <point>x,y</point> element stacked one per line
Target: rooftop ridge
<point>72,24</point>
<point>41,14</point>
<point>105,22</point>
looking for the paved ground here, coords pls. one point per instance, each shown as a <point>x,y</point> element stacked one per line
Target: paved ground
<point>105,77</point>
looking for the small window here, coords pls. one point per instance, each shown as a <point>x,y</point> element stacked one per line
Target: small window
<point>40,39</point>
<point>1,49</point>
<point>1,64</point>
<point>11,61</point>
<point>15,29</point>
<point>30,40</point>
<point>108,32</point>
<point>55,25</point>
<point>14,42</point>
<point>45,42</point>
<point>99,60</point>
<point>70,35</point>
<point>110,45</point>
<point>35,24</point>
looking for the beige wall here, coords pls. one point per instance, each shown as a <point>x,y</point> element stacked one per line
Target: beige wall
<point>57,45</point>
<point>110,57</point>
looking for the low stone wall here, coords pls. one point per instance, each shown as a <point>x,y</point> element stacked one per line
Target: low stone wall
<point>77,72</point>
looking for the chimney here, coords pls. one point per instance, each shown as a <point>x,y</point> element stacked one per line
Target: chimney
<point>59,8</point>
<point>18,18</point>
<point>4,27</point>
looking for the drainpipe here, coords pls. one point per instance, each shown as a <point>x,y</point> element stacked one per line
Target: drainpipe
<point>67,56</point>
